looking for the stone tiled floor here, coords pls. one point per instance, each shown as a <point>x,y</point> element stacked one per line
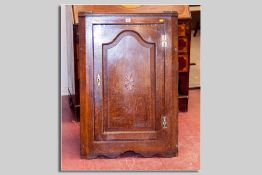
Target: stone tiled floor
<point>189,145</point>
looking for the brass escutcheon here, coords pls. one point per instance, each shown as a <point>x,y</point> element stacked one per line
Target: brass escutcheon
<point>98,80</point>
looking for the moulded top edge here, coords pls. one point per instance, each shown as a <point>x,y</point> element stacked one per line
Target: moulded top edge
<point>165,13</point>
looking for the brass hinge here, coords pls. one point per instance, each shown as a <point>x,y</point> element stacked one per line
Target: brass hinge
<point>164,40</point>
<point>164,122</point>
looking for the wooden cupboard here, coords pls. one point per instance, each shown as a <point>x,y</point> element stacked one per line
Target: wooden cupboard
<point>128,84</point>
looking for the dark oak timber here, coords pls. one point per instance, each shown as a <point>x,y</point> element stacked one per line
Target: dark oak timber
<point>128,84</point>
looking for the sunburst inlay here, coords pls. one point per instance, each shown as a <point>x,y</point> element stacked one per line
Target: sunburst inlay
<point>129,82</point>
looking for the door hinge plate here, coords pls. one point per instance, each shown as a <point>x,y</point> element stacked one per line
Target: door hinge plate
<point>164,40</point>
<point>164,122</point>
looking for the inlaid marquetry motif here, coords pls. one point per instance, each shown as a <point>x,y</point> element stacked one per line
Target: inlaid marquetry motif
<point>182,29</point>
<point>129,82</point>
<point>131,6</point>
<point>182,44</point>
<point>183,63</point>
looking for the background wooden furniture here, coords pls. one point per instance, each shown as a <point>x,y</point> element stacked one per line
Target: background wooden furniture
<point>195,13</point>
<point>184,38</point>
<point>128,84</point>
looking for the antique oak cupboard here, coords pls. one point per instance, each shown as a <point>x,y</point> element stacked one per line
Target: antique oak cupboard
<point>128,84</point>
<point>184,37</point>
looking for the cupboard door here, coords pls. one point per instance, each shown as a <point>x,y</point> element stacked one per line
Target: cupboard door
<point>129,82</point>
<point>129,77</point>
